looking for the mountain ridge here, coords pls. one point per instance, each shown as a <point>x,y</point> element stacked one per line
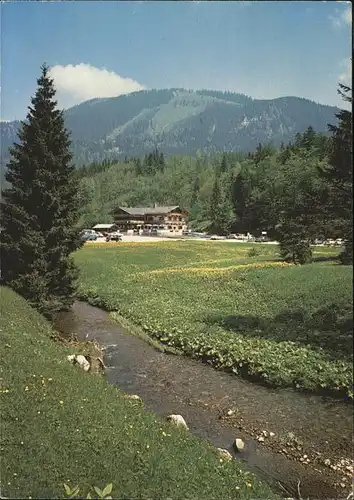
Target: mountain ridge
<point>181,121</point>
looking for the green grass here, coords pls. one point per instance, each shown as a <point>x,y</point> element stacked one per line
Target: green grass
<point>285,326</point>
<point>61,425</point>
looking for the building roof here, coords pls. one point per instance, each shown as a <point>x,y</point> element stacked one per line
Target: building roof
<point>148,210</point>
<point>103,226</point>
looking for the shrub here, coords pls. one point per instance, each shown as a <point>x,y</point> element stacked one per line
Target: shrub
<point>298,252</point>
<point>253,252</point>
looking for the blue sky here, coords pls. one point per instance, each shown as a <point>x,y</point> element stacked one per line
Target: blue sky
<point>101,49</point>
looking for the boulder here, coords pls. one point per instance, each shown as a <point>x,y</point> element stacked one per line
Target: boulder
<point>178,421</point>
<point>224,454</point>
<point>71,358</point>
<point>239,445</point>
<point>82,362</point>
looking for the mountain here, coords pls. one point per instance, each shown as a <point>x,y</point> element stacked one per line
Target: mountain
<point>179,121</point>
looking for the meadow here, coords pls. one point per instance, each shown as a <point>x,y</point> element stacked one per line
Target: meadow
<point>61,425</point>
<point>235,306</point>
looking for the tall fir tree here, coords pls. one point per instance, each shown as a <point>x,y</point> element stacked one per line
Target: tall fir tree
<point>40,209</point>
<point>195,191</point>
<point>214,202</point>
<point>220,212</point>
<point>308,138</point>
<point>339,174</point>
<point>223,164</point>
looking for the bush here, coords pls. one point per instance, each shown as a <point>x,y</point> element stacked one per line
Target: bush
<point>253,252</point>
<point>298,252</point>
<point>346,256</point>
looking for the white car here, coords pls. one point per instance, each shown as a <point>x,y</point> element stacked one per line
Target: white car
<point>115,236</point>
<point>217,237</point>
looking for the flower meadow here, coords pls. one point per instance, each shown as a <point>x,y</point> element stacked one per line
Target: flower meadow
<point>259,317</point>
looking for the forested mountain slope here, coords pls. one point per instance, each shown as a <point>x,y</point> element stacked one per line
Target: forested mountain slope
<point>179,121</point>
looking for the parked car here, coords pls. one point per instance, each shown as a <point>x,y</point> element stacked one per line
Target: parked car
<point>217,237</point>
<point>329,242</point>
<point>114,237</point>
<point>261,239</point>
<point>89,237</point>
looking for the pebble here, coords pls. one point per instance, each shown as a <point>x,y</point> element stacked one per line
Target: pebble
<point>260,439</point>
<point>133,397</point>
<point>224,454</point>
<point>239,444</point>
<point>178,421</point>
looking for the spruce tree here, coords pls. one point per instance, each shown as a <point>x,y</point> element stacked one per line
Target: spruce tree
<point>308,138</point>
<point>40,209</point>
<point>223,164</point>
<point>220,212</point>
<point>339,174</point>
<point>214,205</point>
<point>195,191</point>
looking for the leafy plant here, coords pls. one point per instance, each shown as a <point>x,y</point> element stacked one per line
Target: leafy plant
<point>75,491</point>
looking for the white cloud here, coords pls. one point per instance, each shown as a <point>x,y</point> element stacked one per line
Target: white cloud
<point>80,82</point>
<point>346,76</point>
<point>341,16</point>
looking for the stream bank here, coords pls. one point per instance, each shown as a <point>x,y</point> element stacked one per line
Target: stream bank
<point>220,407</point>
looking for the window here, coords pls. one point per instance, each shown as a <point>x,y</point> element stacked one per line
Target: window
<point>169,227</point>
<point>179,227</point>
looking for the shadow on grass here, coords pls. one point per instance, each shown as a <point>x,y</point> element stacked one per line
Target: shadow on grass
<point>326,258</point>
<point>330,328</point>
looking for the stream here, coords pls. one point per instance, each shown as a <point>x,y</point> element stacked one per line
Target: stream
<point>320,429</point>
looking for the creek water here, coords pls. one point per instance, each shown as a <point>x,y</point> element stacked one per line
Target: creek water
<point>203,396</point>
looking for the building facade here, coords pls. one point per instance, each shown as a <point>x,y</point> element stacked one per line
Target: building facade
<point>151,220</point>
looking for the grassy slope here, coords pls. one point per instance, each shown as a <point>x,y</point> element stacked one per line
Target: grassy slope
<point>59,424</point>
<point>287,326</point>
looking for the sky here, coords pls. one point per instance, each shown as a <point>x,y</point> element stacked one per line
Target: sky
<point>106,48</point>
